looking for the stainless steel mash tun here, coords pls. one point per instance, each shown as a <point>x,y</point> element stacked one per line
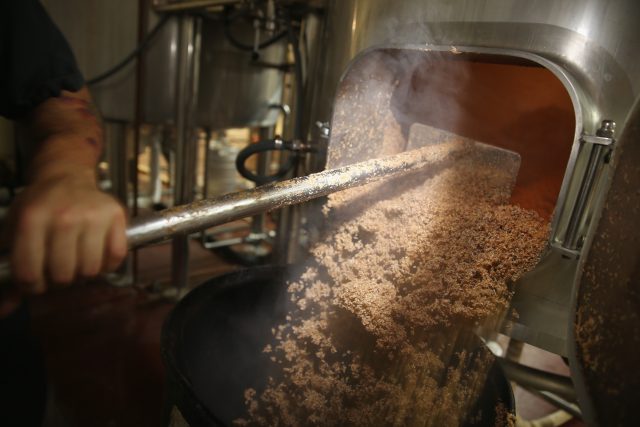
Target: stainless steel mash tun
<point>588,48</point>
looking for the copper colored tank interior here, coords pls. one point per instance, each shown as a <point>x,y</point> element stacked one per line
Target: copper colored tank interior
<point>520,107</point>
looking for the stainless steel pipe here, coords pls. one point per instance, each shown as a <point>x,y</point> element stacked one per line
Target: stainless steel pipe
<point>189,45</point>
<point>210,212</point>
<point>185,219</point>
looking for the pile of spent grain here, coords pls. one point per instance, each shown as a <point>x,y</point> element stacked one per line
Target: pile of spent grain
<point>375,332</point>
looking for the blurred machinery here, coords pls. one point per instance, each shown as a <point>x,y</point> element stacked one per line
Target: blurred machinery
<point>213,77</point>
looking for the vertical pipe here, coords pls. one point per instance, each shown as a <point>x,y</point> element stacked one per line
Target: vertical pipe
<point>280,247</point>
<point>258,222</point>
<point>207,163</point>
<point>572,235</point>
<point>572,240</point>
<point>285,232</point>
<point>186,147</point>
<point>205,173</point>
<point>291,243</point>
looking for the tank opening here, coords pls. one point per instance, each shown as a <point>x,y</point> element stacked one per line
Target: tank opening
<point>508,102</point>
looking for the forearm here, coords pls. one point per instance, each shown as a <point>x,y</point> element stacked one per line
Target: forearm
<point>68,135</point>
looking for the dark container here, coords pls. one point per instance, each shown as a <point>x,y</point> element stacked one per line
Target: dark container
<point>212,346</point>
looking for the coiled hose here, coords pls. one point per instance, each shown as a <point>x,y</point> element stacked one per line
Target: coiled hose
<point>263,147</point>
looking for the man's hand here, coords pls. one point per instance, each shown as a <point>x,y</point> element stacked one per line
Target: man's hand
<point>64,228</point>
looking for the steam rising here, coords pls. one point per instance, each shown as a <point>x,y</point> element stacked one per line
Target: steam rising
<point>384,93</point>
<point>377,331</point>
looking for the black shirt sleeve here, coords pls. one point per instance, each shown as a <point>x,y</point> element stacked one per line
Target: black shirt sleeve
<point>36,62</point>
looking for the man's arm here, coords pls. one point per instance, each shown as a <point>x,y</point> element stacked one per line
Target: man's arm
<point>63,226</point>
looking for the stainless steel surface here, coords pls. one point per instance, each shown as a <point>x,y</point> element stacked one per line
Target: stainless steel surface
<point>259,222</point>
<point>206,163</point>
<point>209,212</point>
<point>603,140</point>
<point>186,146</point>
<point>285,234</point>
<point>588,45</point>
<point>542,302</point>
<point>161,68</point>
<point>233,91</point>
<point>186,102</point>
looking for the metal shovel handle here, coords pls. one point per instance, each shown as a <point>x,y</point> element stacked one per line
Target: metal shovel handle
<point>185,219</point>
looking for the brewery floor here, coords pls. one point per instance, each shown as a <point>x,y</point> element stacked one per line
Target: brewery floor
<point>102,347</point>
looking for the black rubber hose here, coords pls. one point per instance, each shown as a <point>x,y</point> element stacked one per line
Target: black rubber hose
<point>270,145</point>
<point>261,147</point>
<point>132,55</point>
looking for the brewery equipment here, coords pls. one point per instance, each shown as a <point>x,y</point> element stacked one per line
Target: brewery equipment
<point>380,46</point>
<point>386,65</point>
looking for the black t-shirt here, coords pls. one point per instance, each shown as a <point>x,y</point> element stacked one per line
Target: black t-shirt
<point>36,62</point>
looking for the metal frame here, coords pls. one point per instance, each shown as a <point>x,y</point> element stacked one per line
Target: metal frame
<point>186,148</point>
<point>542,319</point>
<point>569,83</point>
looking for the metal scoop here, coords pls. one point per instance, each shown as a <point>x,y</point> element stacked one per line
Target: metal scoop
<point>428,147</point>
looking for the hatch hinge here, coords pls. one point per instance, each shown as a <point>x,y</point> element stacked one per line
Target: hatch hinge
<point>602,144</point>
